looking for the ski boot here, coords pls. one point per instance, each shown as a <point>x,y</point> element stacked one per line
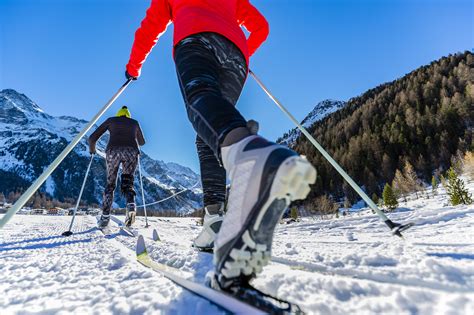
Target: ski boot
<point>212,223</point>
<point>265,179</point>
<point>130,214</point>
<point>103,221</point>
<point>252,296</point>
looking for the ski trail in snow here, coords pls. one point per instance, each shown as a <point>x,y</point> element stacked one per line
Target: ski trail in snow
<point>350,265</point>
<point>354,274</point>
<point>326,271</point>
<point>44,272</point>
<point>168,252</point>
<point>350,273</point>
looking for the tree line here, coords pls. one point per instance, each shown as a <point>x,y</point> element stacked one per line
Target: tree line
<point>407,182</point>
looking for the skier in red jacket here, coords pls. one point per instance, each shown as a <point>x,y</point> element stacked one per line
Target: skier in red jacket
<point>211,53</point>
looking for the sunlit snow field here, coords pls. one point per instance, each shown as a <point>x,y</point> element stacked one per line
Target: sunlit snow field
<point>343,266</point>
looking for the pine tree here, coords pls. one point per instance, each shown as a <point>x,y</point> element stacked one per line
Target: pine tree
<point>434,185</point>
<point>399,184</point>
<point>412,181</point>
<point>389,199</point>
<point>11,197</point>
<point>375,198</point>
<point>468,165</point>
<point>455,188</point>
<point>457,162</point>
<point>294,213</point>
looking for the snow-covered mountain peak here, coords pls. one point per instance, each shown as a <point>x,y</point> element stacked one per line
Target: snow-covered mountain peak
<point>319,112</point>
<point>11,99</point>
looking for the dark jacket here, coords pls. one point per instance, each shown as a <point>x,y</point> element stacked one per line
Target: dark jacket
<point>124,132</point>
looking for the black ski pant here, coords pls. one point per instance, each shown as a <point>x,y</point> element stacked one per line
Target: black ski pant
<point>211,72</point>
<point>128,158</point>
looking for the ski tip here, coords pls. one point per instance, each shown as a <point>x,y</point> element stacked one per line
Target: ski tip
<point>141,247</point>
<point>127,231</point>
<point>156,237</point>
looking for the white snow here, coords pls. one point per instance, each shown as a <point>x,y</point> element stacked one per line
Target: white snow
<point>321,110</point>
<point>350,265</point>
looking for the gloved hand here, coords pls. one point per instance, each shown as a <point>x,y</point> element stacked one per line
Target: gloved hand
<point>128,76</point>
<point>92,151</point>
<point>253,126</point>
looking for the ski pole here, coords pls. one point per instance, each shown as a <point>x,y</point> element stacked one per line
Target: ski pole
<point>69,232</point>
<point>143,193</point>
<point>396,228</point>
<point>47,172</point>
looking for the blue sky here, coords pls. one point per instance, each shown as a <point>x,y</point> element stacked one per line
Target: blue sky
<point>69,57</point>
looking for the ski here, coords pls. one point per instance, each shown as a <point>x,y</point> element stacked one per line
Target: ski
<point>127,230</point>
<point>106,230</point>
<point>156,237</point>
<point>263,301</point>
<point>221,299</point>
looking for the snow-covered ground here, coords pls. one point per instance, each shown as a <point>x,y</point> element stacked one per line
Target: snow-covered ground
<point>350,265</point>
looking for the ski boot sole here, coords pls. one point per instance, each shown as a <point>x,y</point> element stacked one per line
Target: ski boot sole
<point>251,250</point>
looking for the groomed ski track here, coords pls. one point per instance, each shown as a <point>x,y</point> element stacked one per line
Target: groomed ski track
<point>348,265</point>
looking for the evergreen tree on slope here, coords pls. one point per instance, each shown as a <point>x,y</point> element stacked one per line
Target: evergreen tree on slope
<point>456,191</point>
<point>389,198</point>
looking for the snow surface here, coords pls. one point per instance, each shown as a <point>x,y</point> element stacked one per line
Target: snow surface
<point>344,266</point>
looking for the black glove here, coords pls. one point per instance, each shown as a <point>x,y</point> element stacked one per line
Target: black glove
<point>253,126</point>
<point>128,76</point>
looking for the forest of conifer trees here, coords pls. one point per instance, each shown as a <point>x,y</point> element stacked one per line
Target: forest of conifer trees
<point>422,120</point>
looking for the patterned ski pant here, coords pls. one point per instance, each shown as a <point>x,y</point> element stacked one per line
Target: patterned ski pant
<point>211,72</point>
<point>128,158</point>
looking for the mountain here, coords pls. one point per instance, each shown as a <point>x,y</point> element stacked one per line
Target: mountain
<point>30,139</point>
<point>423,118</point>
<point>321,110</point>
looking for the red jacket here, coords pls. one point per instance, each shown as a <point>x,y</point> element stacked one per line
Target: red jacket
<point>195,16</point>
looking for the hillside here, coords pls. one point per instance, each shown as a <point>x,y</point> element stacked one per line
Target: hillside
<point>424,118</point>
